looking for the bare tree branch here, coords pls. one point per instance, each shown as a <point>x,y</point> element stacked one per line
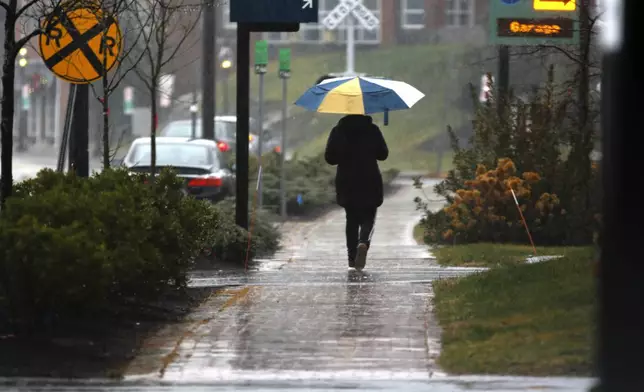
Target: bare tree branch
<point>5,6</point>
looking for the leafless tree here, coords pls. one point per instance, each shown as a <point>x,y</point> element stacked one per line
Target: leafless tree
<point>127,58</point>
<point>166,35</point>
<point>23,16</point>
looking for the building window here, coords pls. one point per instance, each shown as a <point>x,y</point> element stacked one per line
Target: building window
<point>460,13</point>
<point>412,14</point>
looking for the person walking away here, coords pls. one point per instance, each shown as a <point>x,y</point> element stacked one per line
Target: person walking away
<point>356,145</point>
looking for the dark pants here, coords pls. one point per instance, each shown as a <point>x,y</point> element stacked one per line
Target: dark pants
<point>360,226</point>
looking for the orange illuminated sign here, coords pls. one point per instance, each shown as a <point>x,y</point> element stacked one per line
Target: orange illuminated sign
<point>554,5</point>
<point>548,28</point>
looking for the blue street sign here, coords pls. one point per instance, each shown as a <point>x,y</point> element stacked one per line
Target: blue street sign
<point>274,11</point>
<point>510,2</point>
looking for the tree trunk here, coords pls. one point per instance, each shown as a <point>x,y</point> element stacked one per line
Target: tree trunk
<point>153,130</point>
<point>6,122</point>
<point>579,160</point>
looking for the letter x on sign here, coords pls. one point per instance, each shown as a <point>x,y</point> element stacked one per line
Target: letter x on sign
<point>80,45</point>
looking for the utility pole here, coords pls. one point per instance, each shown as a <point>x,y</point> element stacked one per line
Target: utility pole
<point>284,74</point>
<point>208,101</point>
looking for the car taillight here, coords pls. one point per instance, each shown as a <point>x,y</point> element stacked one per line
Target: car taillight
<point>205,181</point>
<point>223,146</point>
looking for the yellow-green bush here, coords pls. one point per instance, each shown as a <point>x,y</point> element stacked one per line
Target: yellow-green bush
<point>485,210</point>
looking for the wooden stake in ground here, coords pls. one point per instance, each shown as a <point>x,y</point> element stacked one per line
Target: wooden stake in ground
<point>525,224</point>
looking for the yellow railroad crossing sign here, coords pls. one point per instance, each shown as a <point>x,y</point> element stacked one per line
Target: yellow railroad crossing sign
<point>78,44</point>
<point>554,5</point>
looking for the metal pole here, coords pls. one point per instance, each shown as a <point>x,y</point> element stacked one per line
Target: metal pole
<point>283,150</point>
<point>503,78</point>
<point>243,112</point>
<point>57,135</point>
<point>208,72</point>
<point>80,132</point>
<point>260,139</point>
<point>65,142</point>
<point>351,45</point>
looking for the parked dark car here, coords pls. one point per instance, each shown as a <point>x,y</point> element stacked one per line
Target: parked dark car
<point>225,131</point>
<point>225,134</point>
<point>199,162</point>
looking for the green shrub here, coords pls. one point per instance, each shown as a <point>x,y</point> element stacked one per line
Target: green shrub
<point>312,179</point>
<point>265,237</point>
<point>78,245</point>
<point>543,146</point>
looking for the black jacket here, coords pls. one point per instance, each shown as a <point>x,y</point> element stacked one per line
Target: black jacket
<point>356,145</point>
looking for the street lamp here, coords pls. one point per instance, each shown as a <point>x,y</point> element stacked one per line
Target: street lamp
<point>226,63</point>
<point>24,97</point>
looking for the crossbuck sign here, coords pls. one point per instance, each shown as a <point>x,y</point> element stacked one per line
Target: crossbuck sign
<point>355,8</point>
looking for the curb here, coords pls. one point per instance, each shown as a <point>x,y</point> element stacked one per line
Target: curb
<point>410,175</point>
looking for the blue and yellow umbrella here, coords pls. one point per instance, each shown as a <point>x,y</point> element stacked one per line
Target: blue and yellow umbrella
<point>359,95</point>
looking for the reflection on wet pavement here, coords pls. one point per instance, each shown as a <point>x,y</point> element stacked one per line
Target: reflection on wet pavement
<point>302,321</point>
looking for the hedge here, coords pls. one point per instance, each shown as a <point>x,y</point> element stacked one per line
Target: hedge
<point>77,246</point>
<point>312,179</point>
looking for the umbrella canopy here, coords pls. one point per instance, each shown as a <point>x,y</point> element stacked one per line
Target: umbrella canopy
<point>359,95</point>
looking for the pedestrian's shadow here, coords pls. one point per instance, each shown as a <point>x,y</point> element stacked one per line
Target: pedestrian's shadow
<point>358,303</point>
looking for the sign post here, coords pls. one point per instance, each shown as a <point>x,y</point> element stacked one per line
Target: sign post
<point>69,48</point>
<point>349,11</point>
<point>261,64</point>
<point>284,74</point>
<point>253,15</point>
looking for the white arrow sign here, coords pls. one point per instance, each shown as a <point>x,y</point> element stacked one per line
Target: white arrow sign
<point>307,4</point>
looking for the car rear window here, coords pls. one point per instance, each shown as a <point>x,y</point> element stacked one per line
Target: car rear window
<point>224,130</point>
<point>169,154</point>
<point>181,129</point>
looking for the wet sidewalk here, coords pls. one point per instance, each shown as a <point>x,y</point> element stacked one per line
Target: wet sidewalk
<point>309,319</point>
